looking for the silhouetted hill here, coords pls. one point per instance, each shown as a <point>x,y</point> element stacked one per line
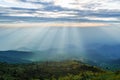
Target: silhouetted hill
<point>96,55</point>
<point>15,56</point>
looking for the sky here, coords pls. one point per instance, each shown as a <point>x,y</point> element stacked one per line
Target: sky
<point>102,15</point>
<point>75,12</point>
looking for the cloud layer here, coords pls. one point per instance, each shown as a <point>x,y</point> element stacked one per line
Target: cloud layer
<point>51,24</point>
<point>107,11</point>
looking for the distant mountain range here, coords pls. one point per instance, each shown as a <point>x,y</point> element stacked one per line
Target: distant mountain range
<point>100,55</point>
<point>15,56</point>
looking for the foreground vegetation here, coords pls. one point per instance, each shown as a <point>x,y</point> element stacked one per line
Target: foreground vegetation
<point>65,70</point>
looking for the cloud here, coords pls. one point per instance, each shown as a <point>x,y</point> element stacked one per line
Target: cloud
<point>60,10</point>
<point>51,24</point>
<point>19,4</point>
<point>102,18</point>
<point>88,4</point>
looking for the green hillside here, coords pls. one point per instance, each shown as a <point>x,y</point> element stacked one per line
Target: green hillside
<point>64,70</point>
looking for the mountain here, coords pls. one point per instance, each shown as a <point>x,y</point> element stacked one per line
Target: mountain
<point>98,55</point>
<point>13,60</point>
<point>104,52</point>
<point>15,56</point>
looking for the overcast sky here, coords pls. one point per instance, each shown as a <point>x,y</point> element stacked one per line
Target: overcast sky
<point>67,11</point>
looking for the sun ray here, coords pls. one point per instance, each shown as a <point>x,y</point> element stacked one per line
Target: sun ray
<point>40,38</point>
